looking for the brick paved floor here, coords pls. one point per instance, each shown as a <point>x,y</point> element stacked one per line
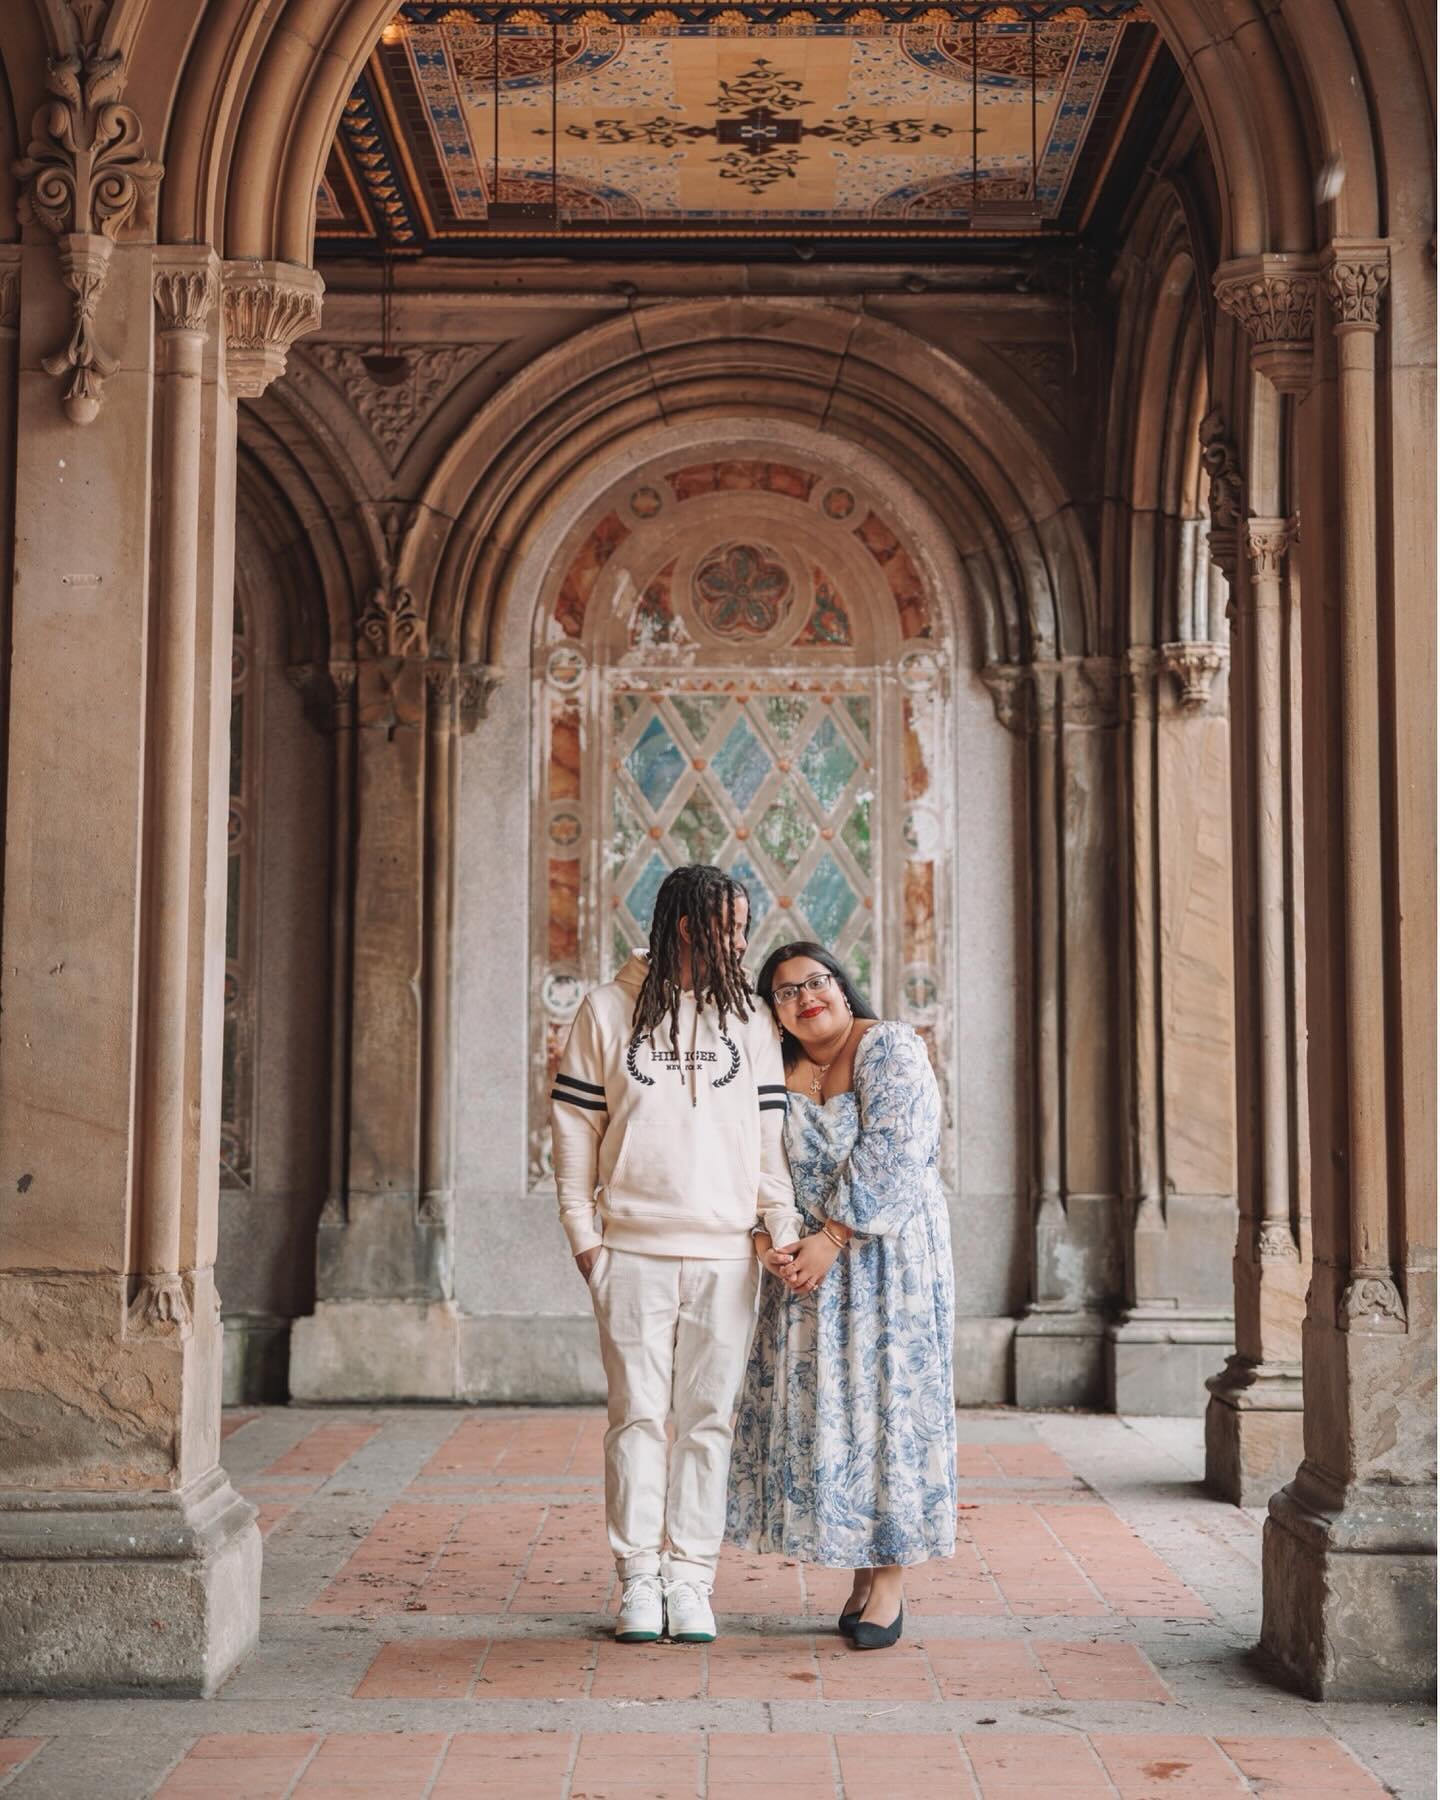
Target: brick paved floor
<point>436,1588</point>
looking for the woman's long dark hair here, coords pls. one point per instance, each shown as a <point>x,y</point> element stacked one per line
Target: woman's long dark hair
<point>708,898</point>
<point>765,987</point>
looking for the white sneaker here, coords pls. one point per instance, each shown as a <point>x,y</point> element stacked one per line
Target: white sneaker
<point>688,1617</point>
<point>642,1611</point>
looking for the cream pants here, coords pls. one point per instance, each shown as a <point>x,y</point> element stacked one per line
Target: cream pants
<point>674,1337</point>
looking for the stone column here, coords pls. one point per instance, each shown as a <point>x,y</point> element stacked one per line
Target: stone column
<point>1349,1594</point>
<point>1180,1204</point>
<point>1253,1421</point>
<point>1068,715</point>
<point>385,1325</point>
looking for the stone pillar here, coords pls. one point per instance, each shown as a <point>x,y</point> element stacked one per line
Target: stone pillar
<point>385,1325</point>
<point>127,1561</point>
<point>1068,711</point>
<point>1253,1421</point>
<point>1349,1582</point>
<point>1180,1203</point>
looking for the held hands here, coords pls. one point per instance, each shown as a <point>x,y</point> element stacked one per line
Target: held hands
<point>811,1260</point>
<point>776,1261</point>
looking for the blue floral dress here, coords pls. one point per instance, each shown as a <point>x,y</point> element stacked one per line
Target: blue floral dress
<point>845,1442</point>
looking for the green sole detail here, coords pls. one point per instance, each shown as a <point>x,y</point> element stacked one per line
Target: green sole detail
<point>637,1637</point>
<point>693,1637</point>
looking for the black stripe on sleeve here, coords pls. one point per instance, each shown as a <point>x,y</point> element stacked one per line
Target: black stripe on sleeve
<point>585,1087</point>
<point>774,1106</point>
<point>578,1100</point>
<point>772,1087</point>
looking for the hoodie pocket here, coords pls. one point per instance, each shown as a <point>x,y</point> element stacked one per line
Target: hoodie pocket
<point>668,1172</point>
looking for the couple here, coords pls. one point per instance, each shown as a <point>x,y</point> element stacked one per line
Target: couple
<point>676,1102</point>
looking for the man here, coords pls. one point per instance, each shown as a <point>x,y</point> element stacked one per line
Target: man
<point>667,1116</point>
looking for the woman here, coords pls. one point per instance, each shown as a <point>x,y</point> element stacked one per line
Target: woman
<point>845,1444</point>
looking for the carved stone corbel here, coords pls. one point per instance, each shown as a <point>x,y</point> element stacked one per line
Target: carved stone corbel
<point>85,173</point>
<point>1273,298</point>
<point>1092,692</point>
<point>1356,276</point>
<point>1371,1302</point>
<point>1194,666</point>
<point>1220,462</point>
<point>477,684</point>
<point>267,306</point>
<point>1267,543</point>
<point>390,624</point>
<point>1010,693</point>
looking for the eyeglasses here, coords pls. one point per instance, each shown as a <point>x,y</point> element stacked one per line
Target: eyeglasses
<point>813,984</point>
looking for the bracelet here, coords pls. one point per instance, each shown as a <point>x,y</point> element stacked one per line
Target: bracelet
<point>844,1243</point>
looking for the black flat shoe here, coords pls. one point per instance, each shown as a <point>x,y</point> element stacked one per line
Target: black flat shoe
<point>847,1622</point>
<point>878,1637</point>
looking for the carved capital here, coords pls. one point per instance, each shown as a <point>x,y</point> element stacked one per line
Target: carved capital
<point>326,690</point>
<point>477,684</point>
<point>184,296</point>
<point>86,170</point>
<point>1371,1302</point>
<point>1010,693</point>
<point>267,306</point>
<point>1356,276</point>
<point>1267,543</point>
<point>1194,666</point>
<point>1275,1242</point>
<point>390,624</point>
<point>1273,298</point>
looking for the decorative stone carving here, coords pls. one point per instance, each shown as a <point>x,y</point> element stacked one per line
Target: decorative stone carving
<point>391,624</point>
<point>184,298</point>
<point>1273,298</point>
<point>1276,1240</point>
<point>159,1307</point>
<point>1267,541</point>
<point>395,414</point>
<point>267,306</point>
<point>1222,465</point>
<point>1194,666</point>
<point>324,688</point>
<point>85,173</point>
<point>1371,1302</point>
<point>477,684</point>
<point>1009,685</point>
<point>1356,276</point>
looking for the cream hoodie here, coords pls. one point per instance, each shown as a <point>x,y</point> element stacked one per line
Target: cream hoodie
<point>664,1156</point>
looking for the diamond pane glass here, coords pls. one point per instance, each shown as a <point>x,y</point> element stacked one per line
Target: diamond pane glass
<point>626,832</point>
<point>828,898</point>
<point>785,714</point>
<point>761,900</point>
<point>641,898</point>
<point>827,763</point>
<point>655,763</point>
<point>623,711</point>
<point>858,707</point>
<point>742,763</point>
<point>856,832</point>
<point>861,962</point>
<point>785,833</point>
<point>699,711</point>
<point>700,828</point>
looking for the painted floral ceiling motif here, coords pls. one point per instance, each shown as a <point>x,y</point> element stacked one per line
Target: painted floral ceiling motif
<point>476,122</point>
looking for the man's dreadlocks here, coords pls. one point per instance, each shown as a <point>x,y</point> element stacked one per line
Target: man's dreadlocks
<point>707,897</point>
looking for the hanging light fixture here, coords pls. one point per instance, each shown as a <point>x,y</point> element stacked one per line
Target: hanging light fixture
<point>386,367</point>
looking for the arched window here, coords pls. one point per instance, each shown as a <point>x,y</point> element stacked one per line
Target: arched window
<point>739,662</point>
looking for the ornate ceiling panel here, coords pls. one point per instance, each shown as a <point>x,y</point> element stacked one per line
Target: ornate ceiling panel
<point>635,122</point>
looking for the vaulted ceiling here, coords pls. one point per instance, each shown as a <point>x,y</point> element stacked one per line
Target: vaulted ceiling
<point>633,121</point>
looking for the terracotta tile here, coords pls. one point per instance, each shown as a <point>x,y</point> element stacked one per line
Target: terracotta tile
<point>392,1564</point>
<point>392,1765</point>
<point>1128,1575</point>
<point>1100,1671</point>
<point>648,1671</point>
<point>882,1765</point>
<point>986,1669</point>
<point>423,1669</point>
<point>230,1423</point>
<point>323,1450</point>
<point>268,1515</point>
<point>510,1765</point>
<point>902,1673</point>
<point>658,1765</point>
<point>975,1462</point>
<point>763,1668</point>
<point>757,1584</point>
<point>743,1764</point>
<point>958,1584</point>
<point>1288,1768</point>
<point>239,1766</point>
<point>1145,1766</point>
<point>1055,1764</point>
<point>473,1448</point>
<point>240,1746</point>
<point>1028,1459</point>
<point>16,1752</point>
<point>479,1569</point>
<point>1032,1571</point>
<point>540,1445</point>
<point>536,1669</point>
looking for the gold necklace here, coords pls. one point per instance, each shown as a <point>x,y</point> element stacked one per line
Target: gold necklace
<point>821,1070</point>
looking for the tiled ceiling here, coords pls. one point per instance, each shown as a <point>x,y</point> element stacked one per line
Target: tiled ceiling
<point>637,122</point>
